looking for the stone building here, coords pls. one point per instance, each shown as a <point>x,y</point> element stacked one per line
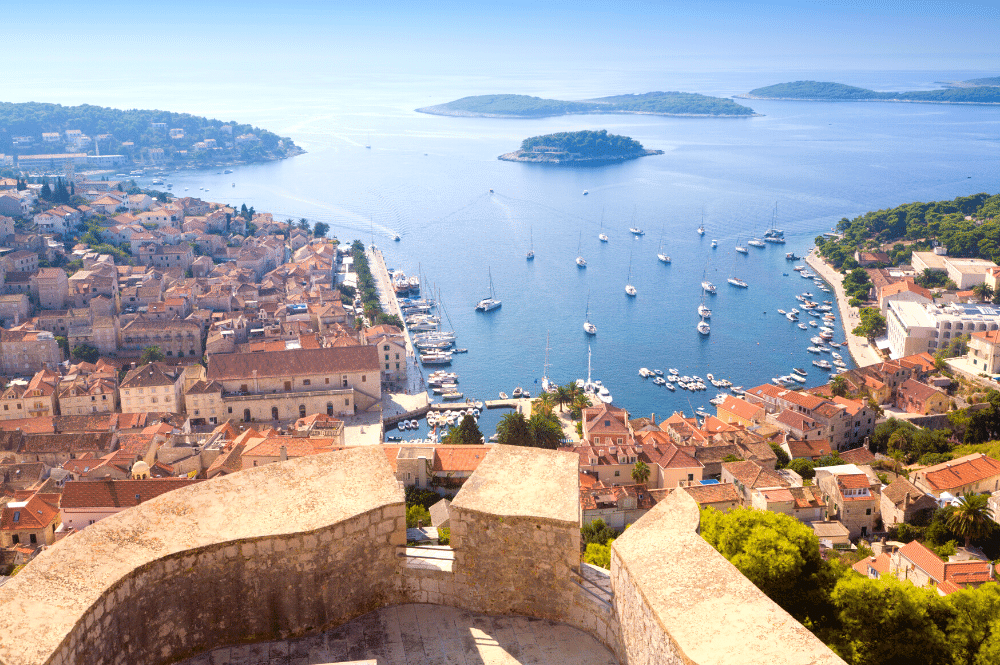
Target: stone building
<point>902,501</point>
<point>28,351</point>
<point>36,398</point>
<point>152,387</point>
<point>14,308</point>
<point>287,385</point>
<point>85,395</point>
<point>52,286</point>
<point>972,473</point>
<point>204,404</point>
<point>852,497</point>
<point>32,522</point>
<point>177,338</point>
<point>86,502</point>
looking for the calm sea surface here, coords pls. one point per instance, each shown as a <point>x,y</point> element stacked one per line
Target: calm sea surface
<point>428,179</point>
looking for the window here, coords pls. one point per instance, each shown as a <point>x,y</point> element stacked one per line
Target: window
<point>618,473</point>
<point>343,380</point>
<point>33,538</point>
<point>15,539</point>
<point>246,415</point>
<point>243,388</point>
<point>274,413</point>
<point>397,365</point>
<point>597,440</point>
<point>230,409</point>
<point>288,385</point>
<point>17,516</point>
<point>690,476</point>
<point>327,380</point>
<point>329,408</point>
<point>302,410</point>
<point>306,382</point>
<point>364,378</point>
<point>347,401</point>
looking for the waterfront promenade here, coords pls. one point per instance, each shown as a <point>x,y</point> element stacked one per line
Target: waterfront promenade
<point>862,352</point>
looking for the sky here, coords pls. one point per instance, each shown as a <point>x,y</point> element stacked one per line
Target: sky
<point>301,36</point>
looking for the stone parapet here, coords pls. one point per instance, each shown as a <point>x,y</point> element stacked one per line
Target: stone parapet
<point>679,601</point>
<point>263,554</point>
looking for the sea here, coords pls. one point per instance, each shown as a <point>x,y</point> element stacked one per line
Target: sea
<point>464,216</point>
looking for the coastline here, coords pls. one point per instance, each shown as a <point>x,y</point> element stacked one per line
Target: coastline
<point>437,110</point>
<point>861,352</point>
<point>870,99</point>
<point>549,158</point>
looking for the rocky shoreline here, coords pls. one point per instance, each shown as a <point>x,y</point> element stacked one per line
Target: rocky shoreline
<point>569,158</point>
<point>442,110</point>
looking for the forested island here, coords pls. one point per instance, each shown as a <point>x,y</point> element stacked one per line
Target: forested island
<point>968,226</point>
<point>827,91</point>
<point>650,103</point>
<point>139,136</point>
<point>971,83</point>
<point>578,147</point>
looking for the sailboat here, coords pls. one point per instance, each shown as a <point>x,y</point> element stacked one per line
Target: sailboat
<point>531,247</point>
<point>580,261</point>
<point>589,327</point>
<point>602,236</point>
<point>489,303</point>
<point>773,234</point>
<point>740,248</point>
<point>660,255</point>
<point>733,279</point>
<point>703,310</point>
<point>368,142</point>
<point>703,327</point>
<point>701,229</point>
<point>629,289</point>
<point>591,387</point>
<point>635,230</point>
<point>548,385</point>
<point>715,243</point>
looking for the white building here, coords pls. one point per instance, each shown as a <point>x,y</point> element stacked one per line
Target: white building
<point>966,273</point>
<point>918,328</point>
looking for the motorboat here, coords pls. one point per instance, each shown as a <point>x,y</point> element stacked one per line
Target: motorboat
<point>782,312</point>
<point>814,349</point>
<point>669,386</point>
<point>658,372</point>
<point>503,395</point>
<point>581,262</point>
<point>803,326</point>
<point>645,373</point>
<point>790,256</point>
<point>823,364</point>
<point>517,392</point>
<point>660,381</point>
<point>756,242</point>
<point>715,243</point>
<point>736,281</point>
<point>603,237</point>
<point>799,370</point>
<point>797,377</point>
<point>673,371</point>
<point>791,316</point>
<point>742,250</point>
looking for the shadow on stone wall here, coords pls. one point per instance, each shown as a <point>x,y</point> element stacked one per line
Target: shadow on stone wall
<point>296,548</point>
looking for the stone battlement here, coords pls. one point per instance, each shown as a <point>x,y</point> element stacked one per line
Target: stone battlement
<point>296,548</point>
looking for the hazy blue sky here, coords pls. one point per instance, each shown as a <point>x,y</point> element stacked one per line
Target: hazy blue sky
<point>299,36</point>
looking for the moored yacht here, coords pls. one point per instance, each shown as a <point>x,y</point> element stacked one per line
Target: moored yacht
<point>715,243</point>
<point>703,327</point>
<point>704,312</point>
<point>736,281</point>
<point>708,287</point>
<point>489,303</point>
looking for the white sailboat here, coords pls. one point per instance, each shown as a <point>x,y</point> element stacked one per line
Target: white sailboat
<point>629,289</point>
<point>715,243</point>
<point>591,387</point>
<point>660,255</point>
<point>589,327</point>
<point>489,303</point>
<point>774,234</point>
<point>740,248</point>
<point>602,236</point>
<point>548,385</point>
<point>703,327</point>
<point>701,228</point>
<point>580,261</point>
<point>531,246</point>
<point>733,279</point>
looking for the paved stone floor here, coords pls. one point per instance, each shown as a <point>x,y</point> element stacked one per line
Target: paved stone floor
<point>426,634</point>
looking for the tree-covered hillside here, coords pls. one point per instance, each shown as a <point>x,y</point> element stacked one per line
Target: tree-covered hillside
<point>33,119</point>
<point>655,103</point>
<point>824,90</point>
<point>590,144</point>
<point>913,226</point>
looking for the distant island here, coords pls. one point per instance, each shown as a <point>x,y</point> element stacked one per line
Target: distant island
<point>650,103</point>
<point>971,83</point>
<point>578,147</point>
<point>101,137</point>
<point>826,91</point>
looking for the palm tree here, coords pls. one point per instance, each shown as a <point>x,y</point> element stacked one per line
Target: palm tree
<point>971,518</point>
<point>546,401</point>
<point>640,472</point>
<point>563,396</point>
<point>581,402</point>
<point>838,387</point>
<point>573,390</point>
<point>984,292</point>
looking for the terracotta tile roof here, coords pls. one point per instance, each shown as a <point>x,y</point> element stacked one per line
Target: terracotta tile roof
<point>796,420</point>
<point>36,512</point>
<point>880,564</point>
<point>859,455</point>
<point>153,374</point>
<point>229,461</point>
<point>920,392</point>
<point>118,493</point>
<point>811,448</point>
<point>603,497</point>
<point>752,475</point>
<point>741,408</point>
<point>853,481</point>
<point>296,362</point>
<point>295,446</point>
<point>96,442</point>
<point>715,493</point>
<point>605,419</point>
<point>959,472</point>
<point>458,458</point>
<point>989,336</point>
<point>898,489</point>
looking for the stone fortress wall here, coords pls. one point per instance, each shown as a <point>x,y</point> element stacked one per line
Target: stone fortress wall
<point>300,547</point>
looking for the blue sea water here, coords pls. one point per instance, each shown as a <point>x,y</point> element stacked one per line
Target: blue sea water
<point>428,179</point>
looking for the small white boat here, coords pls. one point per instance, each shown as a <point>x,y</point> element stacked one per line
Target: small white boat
<point>715,243</point>
<point>756,242</point>
<point>796,377</point>
<point>670,386</point>
<point>710,377</point>
<point>704,328</point>
<point>603,237</point>
<point>585,192</point>
<point>782,312</point>
<point>814,349</point>
<point>701,229</point>
<point>803,326</point>
<point>663,257</point>
<point>636,231</point>
<point>736,281</point>
<point>673,371</point>
<point>704,312</point>
<point>742,250</point>
<point>645,373</point>
<point>708,287</point>
<point>503,395</point>
<point>660,381</point>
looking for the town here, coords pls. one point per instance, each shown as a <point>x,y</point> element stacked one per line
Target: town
<point>152,343</point>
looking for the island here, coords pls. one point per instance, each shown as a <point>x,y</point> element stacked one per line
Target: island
<point>971,83</point>
<point>650,103</point>
<point>586,147</point>
<point>825,91</point>
<point>43,137</point>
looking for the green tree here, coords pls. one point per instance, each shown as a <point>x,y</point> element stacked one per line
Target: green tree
<point>777,553</point>
<point>546,432</point>
<point>872,324</point>
<point>417,513</point>
<point>779,452</point>
<point>803,467</point>
<point>63,344</point>
<point>321,229</point>
<point>971,519</point>
<point>467,433</point>
<point>984,292</point>
<point>596,531</point>
<point>86,353</point>
<point>598,555</point>
<point>303,224</point>
<point>888,622</point>
<point>151,354</point>
<point>640,472</point>
<point>839,387</point>
<point>421,496</point>
<point>513,430</point>
<point>974,631</point>
<point>563,396</point>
